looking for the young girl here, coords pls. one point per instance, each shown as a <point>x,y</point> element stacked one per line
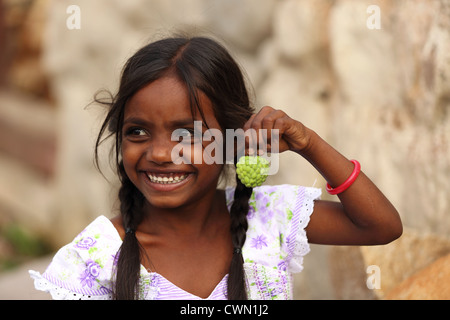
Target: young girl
<point>177,236</point>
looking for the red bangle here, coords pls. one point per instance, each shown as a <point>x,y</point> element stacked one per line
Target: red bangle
<point>348,182</point>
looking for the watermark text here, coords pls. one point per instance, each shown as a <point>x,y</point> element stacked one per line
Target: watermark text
<point>223,150</point>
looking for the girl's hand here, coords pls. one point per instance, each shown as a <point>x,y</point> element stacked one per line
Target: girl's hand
<point>364,216</point>
<point>293,134</point>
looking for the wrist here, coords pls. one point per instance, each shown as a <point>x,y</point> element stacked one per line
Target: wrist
<point>305,147</point>
<point>347,183</point>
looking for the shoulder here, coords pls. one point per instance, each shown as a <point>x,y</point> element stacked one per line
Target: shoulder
<point>280,201</point>
<point>281,209</point>
<point>84,266</point>
<point>277,218</point>
<point>97,240</point>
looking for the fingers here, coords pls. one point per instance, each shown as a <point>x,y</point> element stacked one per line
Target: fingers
<point>259,129</point>
<point>254,137</point>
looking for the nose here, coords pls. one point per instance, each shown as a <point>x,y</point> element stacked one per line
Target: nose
<point>159,151</point>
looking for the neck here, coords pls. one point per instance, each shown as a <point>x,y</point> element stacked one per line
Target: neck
<point>191,220</point>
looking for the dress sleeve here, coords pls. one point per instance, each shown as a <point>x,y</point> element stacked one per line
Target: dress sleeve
<point>277,218</point>
<point>83,268</point>
<point>296,239</point>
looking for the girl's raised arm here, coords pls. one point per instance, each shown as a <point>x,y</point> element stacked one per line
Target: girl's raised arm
<point>364,216</point>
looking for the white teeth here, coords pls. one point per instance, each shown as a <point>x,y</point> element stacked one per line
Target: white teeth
<point>166,179</point>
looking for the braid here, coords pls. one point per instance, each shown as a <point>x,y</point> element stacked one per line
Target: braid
<point>237,289</point>
<point>129,261</point>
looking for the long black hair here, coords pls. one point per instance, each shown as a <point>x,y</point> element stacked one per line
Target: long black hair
<point>202,64</point>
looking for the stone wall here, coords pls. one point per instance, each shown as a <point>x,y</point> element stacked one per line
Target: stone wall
<point>378,95</point>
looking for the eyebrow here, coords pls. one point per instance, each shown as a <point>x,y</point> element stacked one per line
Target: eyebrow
<point>174,123</point>
<point>135,120</point>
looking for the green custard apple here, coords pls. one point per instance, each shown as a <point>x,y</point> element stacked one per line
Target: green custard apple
<point>252,170</point>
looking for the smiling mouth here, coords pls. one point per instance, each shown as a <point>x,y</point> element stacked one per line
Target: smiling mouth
<point>167,178</point>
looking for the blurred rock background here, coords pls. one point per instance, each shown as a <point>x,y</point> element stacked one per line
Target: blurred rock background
<point>379,95</point>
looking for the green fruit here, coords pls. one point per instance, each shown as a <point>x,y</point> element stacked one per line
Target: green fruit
<point>252,170</point>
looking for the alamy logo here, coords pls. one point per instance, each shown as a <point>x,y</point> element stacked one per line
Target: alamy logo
<point>374,277</point>
<point>374,20</point>
<point>222,150</point>
<point>73,21</point>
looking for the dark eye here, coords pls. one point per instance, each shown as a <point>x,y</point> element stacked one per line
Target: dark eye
<point>135,132</point>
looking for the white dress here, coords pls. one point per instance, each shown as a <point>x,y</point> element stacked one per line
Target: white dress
<point>275,246</point>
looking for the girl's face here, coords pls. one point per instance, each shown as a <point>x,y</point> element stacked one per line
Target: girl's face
<point>151,116</point>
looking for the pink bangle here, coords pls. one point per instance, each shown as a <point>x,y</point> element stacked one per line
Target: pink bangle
<point>348,182</point>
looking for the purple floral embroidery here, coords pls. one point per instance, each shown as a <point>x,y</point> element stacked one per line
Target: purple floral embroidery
<point>262,198</point>
<point>282,266</point>
<point>275,289</point>
<point>251,212</point>
<point>264,207</point>
<point>85,243</point>
<point>259,241</point>
<point>270,289</point>
<point>115,259</point>
<point>90,274</point>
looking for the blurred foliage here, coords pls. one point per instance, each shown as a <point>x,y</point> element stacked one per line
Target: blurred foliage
<point>19,245</point>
